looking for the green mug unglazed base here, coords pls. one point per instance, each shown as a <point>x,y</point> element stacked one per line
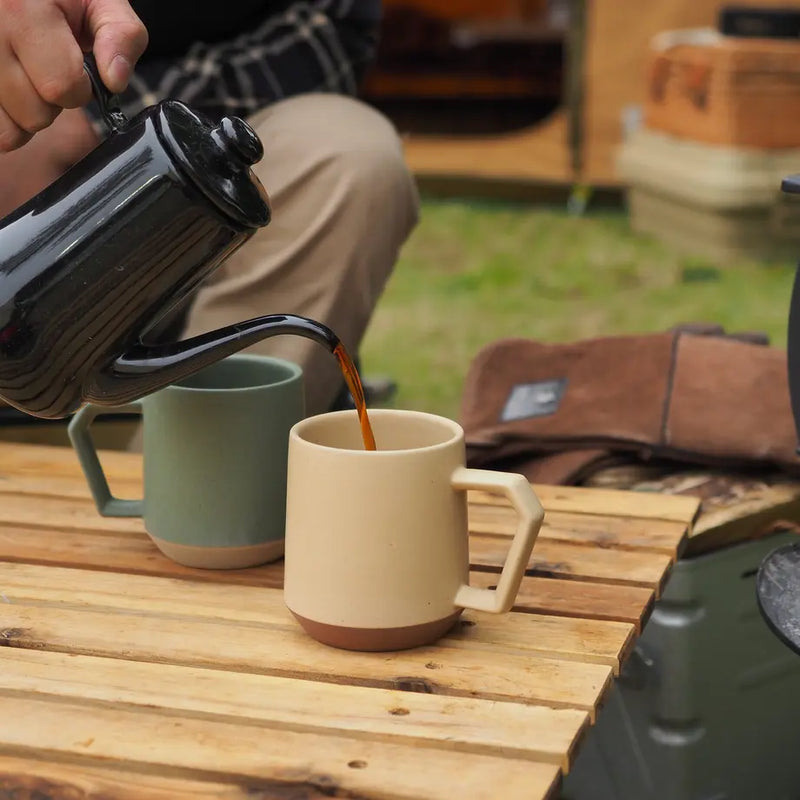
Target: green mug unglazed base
<point>251,555</point>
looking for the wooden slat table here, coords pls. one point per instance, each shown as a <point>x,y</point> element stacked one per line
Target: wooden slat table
<point>128,676</point>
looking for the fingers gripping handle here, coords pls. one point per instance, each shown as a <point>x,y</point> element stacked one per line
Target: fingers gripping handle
<point>81,438</point>
<point>107,102</point>
<point>530,512</point>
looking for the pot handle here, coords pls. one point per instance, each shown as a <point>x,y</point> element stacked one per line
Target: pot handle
<point>106,101</point>
<point>530,515</point>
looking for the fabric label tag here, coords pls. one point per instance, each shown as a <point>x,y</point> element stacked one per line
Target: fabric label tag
<point>533,400</point>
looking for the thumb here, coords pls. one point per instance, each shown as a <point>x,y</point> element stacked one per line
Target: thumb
<point>118,40</point>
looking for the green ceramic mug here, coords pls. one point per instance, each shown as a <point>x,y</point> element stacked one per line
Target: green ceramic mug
<point>215,453</point>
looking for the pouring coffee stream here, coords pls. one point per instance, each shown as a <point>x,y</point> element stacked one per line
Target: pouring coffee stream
<point>91,264</point>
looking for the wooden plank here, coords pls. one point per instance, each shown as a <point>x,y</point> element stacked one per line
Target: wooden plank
<point>285,651</point>
<point>606,502</point>
<point>465,724</point>
<point>537,153</point>
<point>117,552</point>
<point>574,598</point>
<point>16,459</point>
<point>219,749</point>
<point>79,513</point>
<point>49,585</point>
<point>623,533</point>
<point>591,641</point>
<point>31,778</point>
<point>137,555</point>
<point>575,639</point>
<point>735,506</point>
<point>62,461</point>
<point>45,484</point>
<point>62,514</point>
<point>564,560</point>
<point>58,492</point>
<point>485,517</point>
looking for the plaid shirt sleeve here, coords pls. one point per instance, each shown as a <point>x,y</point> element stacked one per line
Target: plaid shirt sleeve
<point>309,46</point>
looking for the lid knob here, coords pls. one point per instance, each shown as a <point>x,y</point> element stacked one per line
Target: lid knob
<point>238,138</point>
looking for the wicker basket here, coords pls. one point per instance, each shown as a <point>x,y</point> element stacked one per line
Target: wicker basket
<point>724,90</point>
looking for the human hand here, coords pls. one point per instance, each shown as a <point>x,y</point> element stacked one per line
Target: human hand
<point>29,169</point>
<point>41,58</point>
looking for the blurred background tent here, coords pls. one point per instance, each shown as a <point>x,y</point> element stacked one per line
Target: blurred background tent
<point>575,115</point>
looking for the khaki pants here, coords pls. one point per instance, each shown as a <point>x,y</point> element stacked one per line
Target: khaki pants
<point>343,203</point>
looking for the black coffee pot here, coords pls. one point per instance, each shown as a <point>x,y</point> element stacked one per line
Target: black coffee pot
<point>93,262</point>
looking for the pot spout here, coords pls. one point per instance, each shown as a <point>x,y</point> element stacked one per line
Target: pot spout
<point>146,368</point>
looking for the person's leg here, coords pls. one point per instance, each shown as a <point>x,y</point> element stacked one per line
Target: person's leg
<point>343,204</point>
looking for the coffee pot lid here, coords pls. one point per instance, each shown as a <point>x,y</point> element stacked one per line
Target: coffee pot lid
<point>216,159</point>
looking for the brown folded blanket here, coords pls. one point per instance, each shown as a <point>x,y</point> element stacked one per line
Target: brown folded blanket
<point>558,411</point>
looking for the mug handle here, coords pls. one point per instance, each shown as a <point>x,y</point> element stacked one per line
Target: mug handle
<point>519,491</point>
<point>81,438</point>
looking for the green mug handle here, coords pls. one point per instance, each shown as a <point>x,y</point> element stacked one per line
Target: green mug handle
<point>81,438</point>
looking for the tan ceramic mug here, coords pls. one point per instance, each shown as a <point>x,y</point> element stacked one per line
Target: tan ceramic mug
<point>377,554</point>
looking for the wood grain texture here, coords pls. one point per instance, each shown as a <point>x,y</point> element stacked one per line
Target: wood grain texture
<point>623,533</point>
<point>117,552</point>
<point>138,556</point>
<point>43,463</point>
<point>128,675</point>
<point>606,502</point>
<point>31,778</point>
<point>560,560</point>
<point>67,501</point>
<point>582,599</point>
<point>584,640</point>
<point>51,461</point>
<point>285,651</point>
<point>223,750</point>
<point>464,724</point>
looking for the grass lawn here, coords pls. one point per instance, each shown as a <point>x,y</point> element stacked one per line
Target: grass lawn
<point>473,273</point>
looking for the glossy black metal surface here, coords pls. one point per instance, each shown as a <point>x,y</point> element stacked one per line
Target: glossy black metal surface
<point>216,160</point>
<point>107,103</point>
<point>793,352</point>
<point>144,367</point>
<point>791,185</point>
<point>90,264</point>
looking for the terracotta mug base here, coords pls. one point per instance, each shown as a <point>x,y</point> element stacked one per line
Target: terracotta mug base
<point>221,557</point>
<point>378,639</point>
